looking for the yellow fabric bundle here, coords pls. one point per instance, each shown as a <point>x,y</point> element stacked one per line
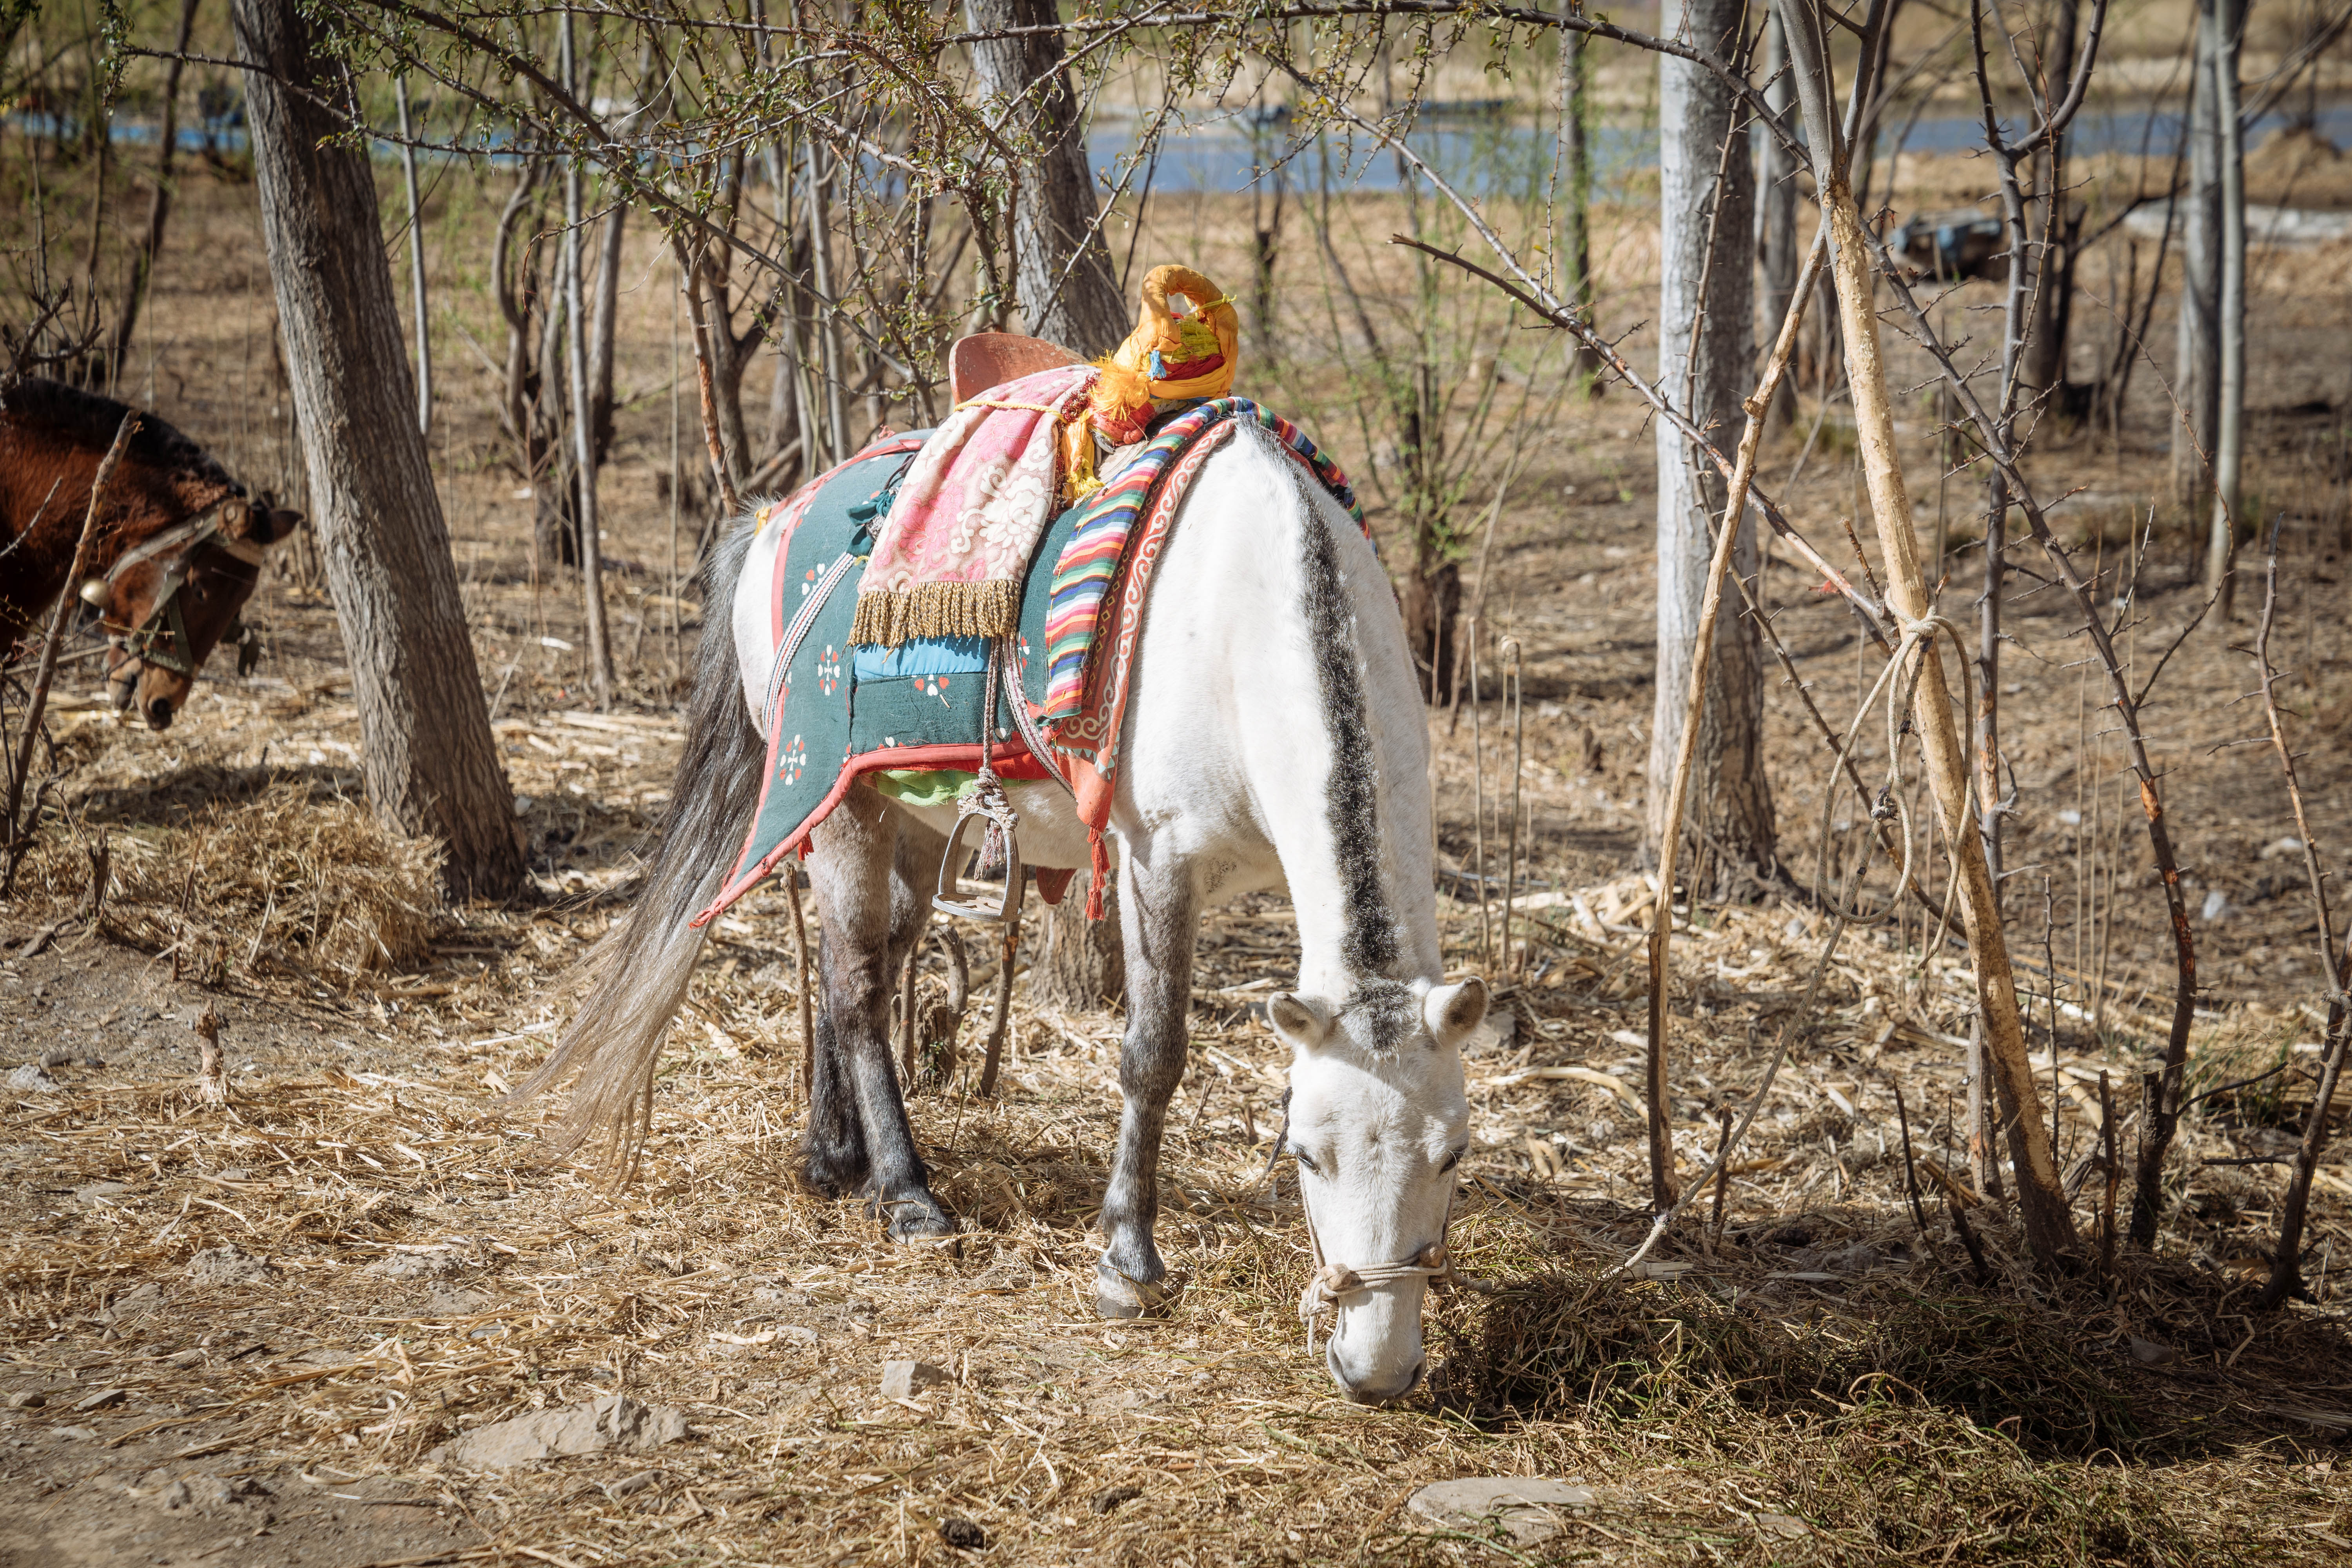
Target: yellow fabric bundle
<point>1187,337</point>
<point>1186,340</point>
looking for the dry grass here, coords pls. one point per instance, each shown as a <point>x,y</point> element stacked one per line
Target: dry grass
<point>1820,1359</point>
<point>294,879</point>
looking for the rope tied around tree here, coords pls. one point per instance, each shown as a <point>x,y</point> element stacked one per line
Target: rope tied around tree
<point>1903,670</point>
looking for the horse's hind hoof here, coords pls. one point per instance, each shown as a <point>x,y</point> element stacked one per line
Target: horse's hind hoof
<point>1118,1295</point>
<point>918,1218</point>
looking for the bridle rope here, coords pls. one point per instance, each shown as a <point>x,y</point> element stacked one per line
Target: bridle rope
<point>1329,1288</point>
<point>163,623</point>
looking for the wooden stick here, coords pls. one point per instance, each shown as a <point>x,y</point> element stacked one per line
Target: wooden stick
<point>1910,1166</point>
<point>1478,806</point>
<point>2286,1257</point>
<point>2048,1225</point>
<point>1662,919</point>
<point>999,1027</point>
<point>20,835</point>
<point>801,964</point>
<point>907,1017</point>
<point>2114,1162</point>
<point>1800,1023</point>
<point>690,279</point>
<point>1515,682</point>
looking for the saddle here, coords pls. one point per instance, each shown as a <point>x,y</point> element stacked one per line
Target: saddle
<point>929,718</point>
<point>984,360</point>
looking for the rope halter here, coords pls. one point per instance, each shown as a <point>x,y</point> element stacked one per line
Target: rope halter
<point>1330,1287</point>
<point>162,637</point>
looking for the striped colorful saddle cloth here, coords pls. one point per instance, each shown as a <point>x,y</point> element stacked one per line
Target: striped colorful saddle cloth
<point>1049,701</point>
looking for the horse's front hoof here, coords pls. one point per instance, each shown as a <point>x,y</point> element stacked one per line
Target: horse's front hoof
<point>918,1218</point>
<point>1118,1295</point>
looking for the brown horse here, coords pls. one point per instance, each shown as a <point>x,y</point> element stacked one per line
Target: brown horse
<point>174,551</point>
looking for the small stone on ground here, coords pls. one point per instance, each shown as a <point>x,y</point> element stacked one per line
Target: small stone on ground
<point>610,1421</point>
<point>227,1265</point>
<point>900,1379</point>
<point>1526,1506</point>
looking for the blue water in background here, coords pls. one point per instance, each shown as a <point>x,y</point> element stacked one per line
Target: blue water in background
<point>1498,156</point>
<point>1482,150</point>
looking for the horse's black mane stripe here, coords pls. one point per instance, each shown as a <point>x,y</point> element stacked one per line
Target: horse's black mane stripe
<point>1369,940</point>
<point>1390,1010</point>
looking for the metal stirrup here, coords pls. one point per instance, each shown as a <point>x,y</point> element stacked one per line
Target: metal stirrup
<point>988,805</point>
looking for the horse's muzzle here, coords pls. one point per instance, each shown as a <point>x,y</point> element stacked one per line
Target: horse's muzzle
<point>1373,1390</point>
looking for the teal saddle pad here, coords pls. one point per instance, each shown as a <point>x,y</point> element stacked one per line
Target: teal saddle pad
<point>836,713</point>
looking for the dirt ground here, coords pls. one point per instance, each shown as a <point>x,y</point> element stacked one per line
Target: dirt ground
<point>241,1333</point>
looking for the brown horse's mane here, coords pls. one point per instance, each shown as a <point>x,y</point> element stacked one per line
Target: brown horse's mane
<point>88,420</point>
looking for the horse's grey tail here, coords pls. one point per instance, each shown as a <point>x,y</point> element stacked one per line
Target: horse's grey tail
<point>641,968</point>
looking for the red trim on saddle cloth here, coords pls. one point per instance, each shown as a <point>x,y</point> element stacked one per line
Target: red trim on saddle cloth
<point>1012,760</point>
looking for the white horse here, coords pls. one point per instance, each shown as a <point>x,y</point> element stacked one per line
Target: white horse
<point>1275,738</point>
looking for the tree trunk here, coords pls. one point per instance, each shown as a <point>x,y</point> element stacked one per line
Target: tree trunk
<point>1080,963</point>
<point>1432,610</point>
<point>2196,378</point>
<point>603,320</point>
<point>143,265</point>
<point>426,752</point>
<point>1776,218</point>
<point>1576,220</point>
<point>415,262</point>
<point>1061,271</point>
<point>584,417</point>
<point>1705,350</point>
<point>2042,1201</point>
<point>826,329</point>
<point>2227,21</point>
<point>2042,373</point>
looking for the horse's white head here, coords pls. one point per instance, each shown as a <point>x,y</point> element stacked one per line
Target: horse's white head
<point>1379,1121</point>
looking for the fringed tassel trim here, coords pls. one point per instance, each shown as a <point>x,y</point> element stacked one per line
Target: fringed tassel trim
<point>1098,872</point>
<point>886,620</point>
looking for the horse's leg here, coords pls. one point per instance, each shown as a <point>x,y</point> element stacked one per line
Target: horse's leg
<point>865,897</point>
<point>833,1148</point>
<point>1159,914</point>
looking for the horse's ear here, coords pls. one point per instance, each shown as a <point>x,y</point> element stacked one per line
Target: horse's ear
<point>1452,1011</point>
<point>1301,1020</point>
<point>257,522</point>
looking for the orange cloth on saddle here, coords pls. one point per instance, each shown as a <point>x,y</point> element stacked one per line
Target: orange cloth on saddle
<point>1184,348</point>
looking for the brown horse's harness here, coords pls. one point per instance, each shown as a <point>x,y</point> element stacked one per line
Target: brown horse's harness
<point>162,639</point>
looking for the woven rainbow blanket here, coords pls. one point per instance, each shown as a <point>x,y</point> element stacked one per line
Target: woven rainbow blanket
<point>1090,561</point>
